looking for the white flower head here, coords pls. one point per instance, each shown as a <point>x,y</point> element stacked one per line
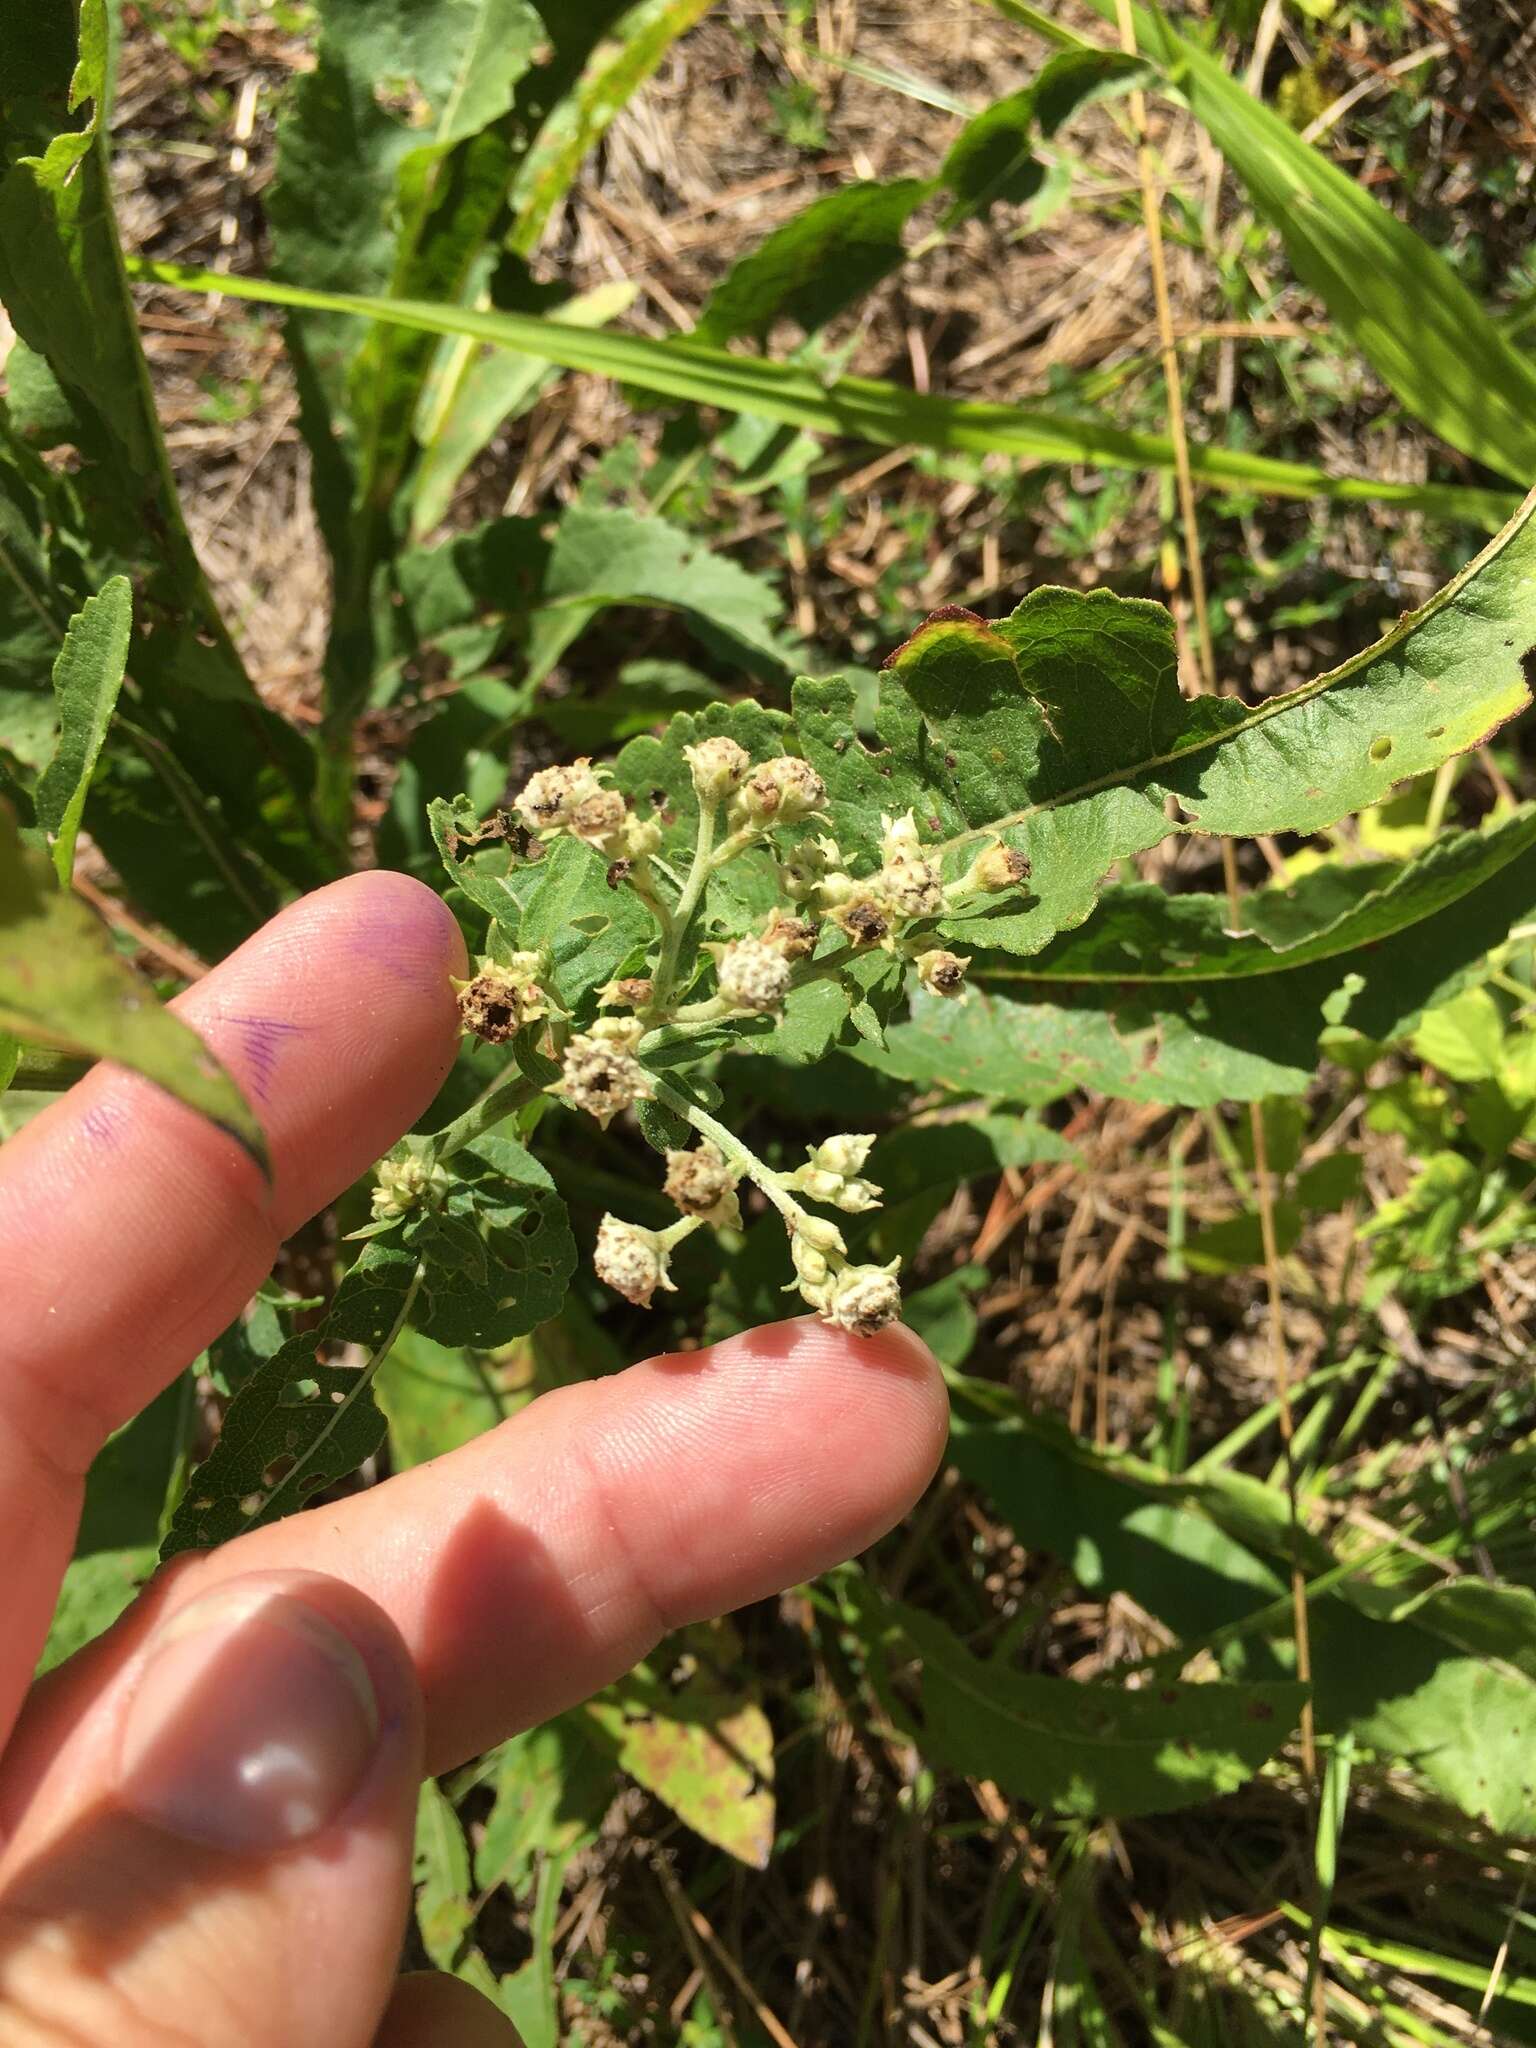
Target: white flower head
<point>942,972</point>
<point>631,1260</point>
<point>863,1299</point>
<point>782,791</point>
<point>752,975</point>
<point>600,1073</point>
<point>702,1184</point>
<point>718,767</point>
<point>548,800</point>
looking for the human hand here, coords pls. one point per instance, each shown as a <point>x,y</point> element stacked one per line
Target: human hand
<point>206,1816</point>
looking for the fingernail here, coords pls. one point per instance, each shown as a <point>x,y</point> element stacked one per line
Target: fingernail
<point>253,1724</point>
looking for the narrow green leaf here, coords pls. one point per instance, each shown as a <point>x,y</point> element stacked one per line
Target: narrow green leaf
<point>1397,299</point>
<point>816,263</point>
<point>86,679</point>
<point>614,72</point>
<point>440,1871</point>
<point>993,159</point>
<point>1092,1749</point>
<point>857,408</point>
<point>63,984</point>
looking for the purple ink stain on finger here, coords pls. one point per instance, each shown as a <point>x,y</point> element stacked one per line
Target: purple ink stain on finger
<point>411,941</point>
<point>102,1124</point>
<point>261,1040</point>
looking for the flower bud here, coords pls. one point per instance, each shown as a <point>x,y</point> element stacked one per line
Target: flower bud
<point>802,870</point>
<point>634,992</point>
<point>898,835</point>
<point>943,973</point>
<point>600,1073</point>
<point>999,867</point>
<point>782,791</point>
<point>863,1299</point>
<point>641,838</point>
<point>548,800</point>
<point>831,1174</point>
<point>702,1184</point>
<point>752,975</point>
<point>718,767</point>
<point>600,820</point>
<point>631,1260</point>
<point>912,886</point>
<point>405,1184</point>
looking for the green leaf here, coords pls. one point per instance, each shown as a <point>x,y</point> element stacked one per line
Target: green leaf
<point>63,984</point>
<point>856,408</point>
<point>1463,1038</point>
<point>1397,299</point>
<point>497,1258</point>
<point>1091,1749</point>
<point>484,393</point>
<point>1061,730</point>
<point>86,679</point>
<point>589,927</point>
<point>300,1422</point>
<point>1153,999</point>
<point>552,1787</point>
<point>440,1872</point>
<point>614,72</point>
<point>701,1745</point>
<point>436,1398</point>
<point>95,1590</point>
<point>993,158</point>
<point>816,263</point>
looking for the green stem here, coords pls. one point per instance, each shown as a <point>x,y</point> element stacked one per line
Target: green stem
<point>732,1150</point>
<point>510,1089</point>
<point>673,935</point>
<point>354,1393</point>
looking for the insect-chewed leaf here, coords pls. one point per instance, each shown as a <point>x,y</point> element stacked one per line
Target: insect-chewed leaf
<point>63,984</point>
<point>704,1747</point>
<point>498,1257</point>
<point>300,1422</point>
<point>1082,1748</point>
<point>1061,730</point>
<point>993,157</point>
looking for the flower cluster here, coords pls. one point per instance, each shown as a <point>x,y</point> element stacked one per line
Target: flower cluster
<point>825,912</point>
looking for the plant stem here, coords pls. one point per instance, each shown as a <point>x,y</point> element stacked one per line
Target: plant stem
<point>674,932</point>
<point>732,1150</point>
<point>509,1090</point>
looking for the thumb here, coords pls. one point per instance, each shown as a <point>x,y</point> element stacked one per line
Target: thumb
<point>220,1852</point>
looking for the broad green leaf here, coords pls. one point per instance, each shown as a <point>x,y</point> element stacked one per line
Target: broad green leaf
<point>1090,1749</point>
<point>82,380</point>
<point>1464,1038</point>
<point>1397,299</point>
<point>816,263</point>
<point>86,679</point>
<point>64,984</point>
<point>436,1398</point>
<point>440,1871</point>
<point>701,1745</point>
<point>1061,730</point>
<point>993,158</point>
<point>1112,1534</point>
<point>95,1591</point>
<point>589,929</point>
<point>301,1421</point>
<point>498,1255</point>
<point>1153,999</point>
<point>855,408</point>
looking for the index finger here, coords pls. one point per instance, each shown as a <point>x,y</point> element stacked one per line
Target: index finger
<point>132,1231</point>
